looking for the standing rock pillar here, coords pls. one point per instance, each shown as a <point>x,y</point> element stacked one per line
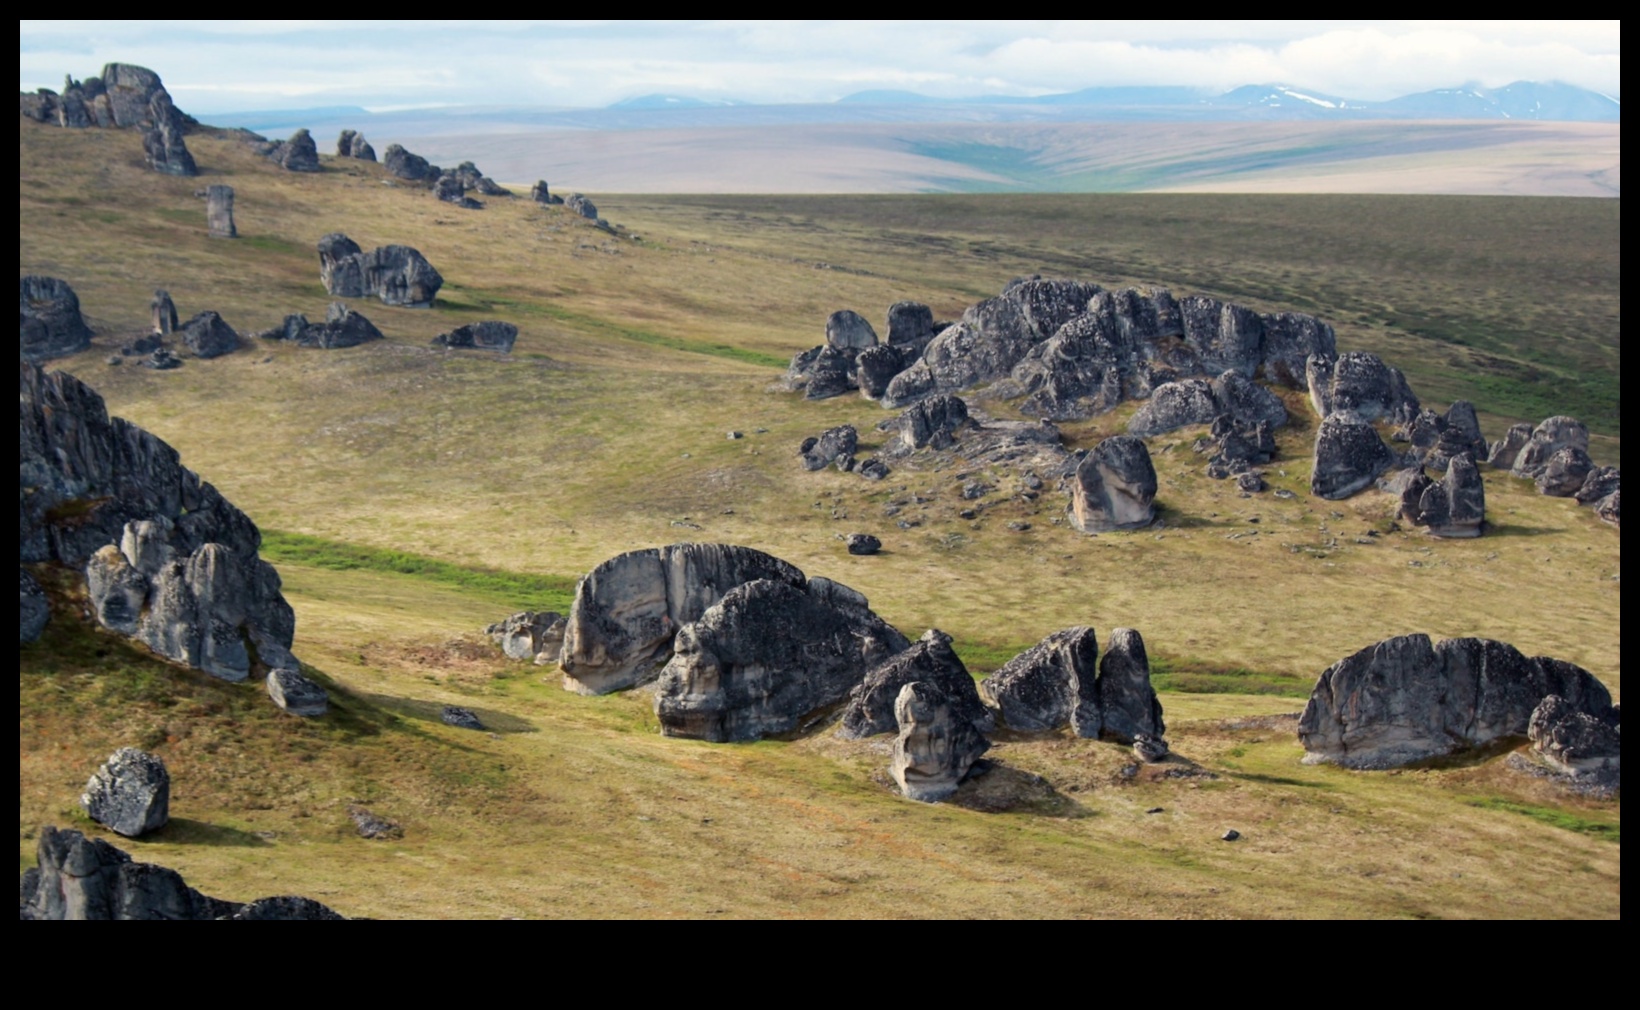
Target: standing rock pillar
<point>219,211</point>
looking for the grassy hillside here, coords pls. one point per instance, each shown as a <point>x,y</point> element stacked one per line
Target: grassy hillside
<point>418,494</point>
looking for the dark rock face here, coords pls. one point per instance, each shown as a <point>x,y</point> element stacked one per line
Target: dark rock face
<point>1454,506</point>
<point>1573,741</point>
<point>1349,456</point>
<point>1114,487</point>
<point>219,212</point>
<point>936,746</point>
<point>208,336</point>
<point>1358,383</point>
<point>835,445</point>
<point>1129,710</point>
<point>296,694</point>
<point>930,659</point>
<point>627,610</point>
<point>164,314</point>
<point>1601,481</point>
<point>167,560</point>
<point>540,194</point>
<point>404,165</point>
<point>1407,699</point>
<point>49,324</point>
<point>875,367</point>
<point>342,327</point>
<point>766,656</point>
<point>298,154</point>
<point>910,326</point>
<point>863,544</point>
<point>130,794</point>
<point>351,144</point>
<point>162,143</point>
<point>1198,401</point>
<point>449,188</point>
<point>396,274</point>
<point>582,206</point>
<point>460,718</point>
<point>1237,447</point>
<point>933,423</point>
<point>86,878</point>
<point>1564,474</point>
<point>1610,508</point>
<point>124,96</point>
<point>1039,689</point>
<point>32,610</point>
<point>529,634</point>
<point>1506,450</point>
<point>490,335</point>
<point>1437,438</point>
<point>1549,437</point>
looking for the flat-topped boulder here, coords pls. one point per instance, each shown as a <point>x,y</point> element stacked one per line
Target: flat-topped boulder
<point>768,655</point>
<point>130,794</point>
<point>870,708</point>
<point>49,323</point>
<point>1349,456</point>
<point>628,610</point>
<point>910,326</point>
<point>489,335</point>
<point>935,746</point>
<point>1452,507</point>
<point>1114,487</point>
<point>396,274</point>
<point>1358,383</point>
<point>1408,699</point>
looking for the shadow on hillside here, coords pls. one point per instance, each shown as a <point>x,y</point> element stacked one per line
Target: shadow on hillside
<point>1512,530</point>
<point>187,831</point>
<point>432,711</point>
<point>994,788</point>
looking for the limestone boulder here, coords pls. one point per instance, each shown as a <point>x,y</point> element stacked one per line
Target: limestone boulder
<point>162,143</point>
<point>1452,507</point>
<point>1358,383</point>
<point>935,746</point>
<point>834,445</point>
<point>910,326</point>
<point>296,694</point>
<point>219,212</point>
<point>449,188</point>
<point>875,367</point>
<point>396,274</point>
<point>1129,709</point>
<point>847,330</point>
<point>1600,482</point>
<point>49,323</point>
<point>582,206</point>
<point>297,154</point>
<point>1575,742</point>
<point>404,165</point>
<point>934,423</point>
<point>529,634</point>
<point>628,610</point>
<point>130,794</point>
<point>208,335</point>
<point>1408,699</point>
<point>351,144</point>
<point>32,609</point>
<point>870,708</point>
<point>541,194</point>
<point>489,335</point>
<point>768,655</point>
<point>1564,474</point>
<point>1114,487</point>
<point>1349,456</point>
<point>1199,401</point>
<point>1549,437</point>
<point>1505,451</point>
<point>1041,688</point>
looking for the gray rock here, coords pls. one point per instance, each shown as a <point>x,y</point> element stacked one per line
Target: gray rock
<point>936,746</point>
<point>1128,706</point>
<point>396,274</point>
<point>207,335</point>
<point>130,794</point>
<point>297,694</point>
<point>131,91</point>
<point>1349,456</point>
<point>582,206</point>
<point>1358,383</point>
<point>832,445</point>
<point>1549,437</point>
<point>1506,450</point>
<point>1573,741</point>
<point>933,422</point>
<point>1564,474</point>
<point>847,330</point>
<point>449,188</point>
<point>1454,506</point>
<point>1406,699</point>
<point>1198,401</point>
<point>627,610</point>
<point>32,609</point>
<point>1610,508</point>
<point>825,372</point>
<point>164,314</point>
<point>49,323</point>
<point>351,144</point>
<point>162,360</point>
<point>219,212</point>
<point>298,154</point>
<point>1601,481</point>
<point>766,656</point>
<point>1150,749</point>
<point>1250,481</point>
<point>404,165</point>
<point>870,708</point>
<point>162,142</point>
<point>342,327</point>
<point>863,543</point>
<point>539,192</point>
<point>529,634</point>
<point>875,367</point>
<point>910,326</point>
<point>85,878</point>
<point>491,335</point>
<point>460,718</point>
<point>1114,487</point>
<point>1043,687</point>
<point>1289,340</point>
<point>370,825</point>
<point>873,469</point>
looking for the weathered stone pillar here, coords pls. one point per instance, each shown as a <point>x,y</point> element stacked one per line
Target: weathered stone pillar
<point>219,212</point>
<point>164,311</point>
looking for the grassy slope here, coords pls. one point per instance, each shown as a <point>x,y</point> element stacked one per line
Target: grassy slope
<point>604,430</point>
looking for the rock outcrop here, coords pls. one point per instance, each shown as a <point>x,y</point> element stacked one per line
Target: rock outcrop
<point>297,154</point>
<point>935,747</point>
<point>910,326</point>
<point>1114,487</point>
<point>1437,438</point>
<point>1041,688</point>
<point>1358,383</point>
<point>163,144</point>
<point>489,335</point>
<point>1349,456</point>
<point>219,212</point>
<point>351,144</point>
<point>49,324</point>
<point>1573,741</point>
<point>834,445</point>
<point>32,609</point>
<point>1454,506</point>
<point>1201,401</point>
<point>1549,437</point>
<point>870,708</point>
<point>124,96</point>
<point>130,794</point>
<point>540,194</point>
<point>766,656</point>
<point>529,634</point>
<point>167,560</point>
<point>449,189</point>
<point>163,312</point>
<point>404,165</point>
<point>475,181</point>
<point>86,878</point>
<point>1503,453</point>
<point>628,610</point>
<point>1407,699</point>
<point>396,274</point>
<point>1235,448</point>
<point>582,206</point>
<point>1601,482</point>
<point>207,335</point>
<point>933,422</point>
<point>1565,473</point>
<point>1610,508</point>
<point>342,327</point>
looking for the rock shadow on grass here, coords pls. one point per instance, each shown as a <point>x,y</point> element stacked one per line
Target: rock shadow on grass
<point>187,831</point>
<point>432,712</point>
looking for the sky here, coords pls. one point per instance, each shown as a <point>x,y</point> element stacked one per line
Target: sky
<point>220,66</point>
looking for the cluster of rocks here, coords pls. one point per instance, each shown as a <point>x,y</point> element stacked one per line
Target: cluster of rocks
<point>489,335</point>
<point>343,327</point>
<point>1555,456</point>
<point>1576,742</point>
<point>1437,439</point>
<point>836,367</point>
<point>1452,507</point>
<point>530,634</point>
<point>1063,681</point>
<point>1236,449</point>
<point>87,878</point>
<point>450,185</point>
<point>1408,699</point>
<point>205,335</point>
<point>351,144</point>
<point>1358,383</point>
<point>396,274</point>
<point>167,560</point>
<point>124,96</point>
<point>49,323</point>
<point>1186,402</point>
<point>297,153</point>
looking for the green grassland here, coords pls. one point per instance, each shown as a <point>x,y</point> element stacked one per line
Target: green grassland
<point>419,494</point>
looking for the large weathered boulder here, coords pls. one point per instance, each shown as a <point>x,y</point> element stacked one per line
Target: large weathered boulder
<point>1349,456</point>
<point>875,367</point>
<point>489,335</point>
<point>396,274</point>
<point>1359,383</point>
<point>130,794</point>
<point>1600,482</point>
<point>766,656</point>
<point>1040,689</point>
<point>870,707</point>
<point>1454,506</point>
<point>296,694</point>
<point>351,144</point>
<point>86,878</point>
<point>1437,438</point>
<point>1573,741</point>
<point>910,326</point>
<point>131,90</point>
<point>863,544</point>
<point>1407,699</point>
<point>582,206</point>
<point>297,154</point>
<point>1549,437</point>
<point>1199,401</point>
<point>1564,474</point>
<point>219,212</point>
<point>528,634</point>
<point>932,422</point>
<point>404,165</point>
<point>1129,710</point>
<point>936,745</point>
<point>628,609</point>
<point>847,330</point>
<point>1506,450</point>
<point>1114,487</point>
<point>49,324</point>
<point>450,189</point>
<point>167,559</point>
<point>834,445</point>
<point>209,336</point>
<point>32,609</point>
<point>1610,508</point>
<point>163,143</point>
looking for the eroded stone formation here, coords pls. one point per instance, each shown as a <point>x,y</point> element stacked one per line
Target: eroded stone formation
<point>491,335</point>
<point>834,445</point>
<point>163,311</point>
<point>351,144</point>
<point>1438,438</point>
<point>1358,383</point>
<point>529,634</point>
<point>124,96</point>
<point>130,794</point>
<point>935,746</point>
<point>49,324</point>
<point>540,194</point>
<point>298,153</point>
<point>1575,742</point>
<point>1114,487</point>
<point>1349,456</point>
<point>582,206</point>
<point>1408,699</point>
<point>931,659</point>
<point>396,274</point>
<point>1454,506</point>
<point>342,327</point>
<point>1062,680</point>
<point>207,335</point>
<point>404,165</point>
<point>219,212</point>
<point>1200,401</point>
